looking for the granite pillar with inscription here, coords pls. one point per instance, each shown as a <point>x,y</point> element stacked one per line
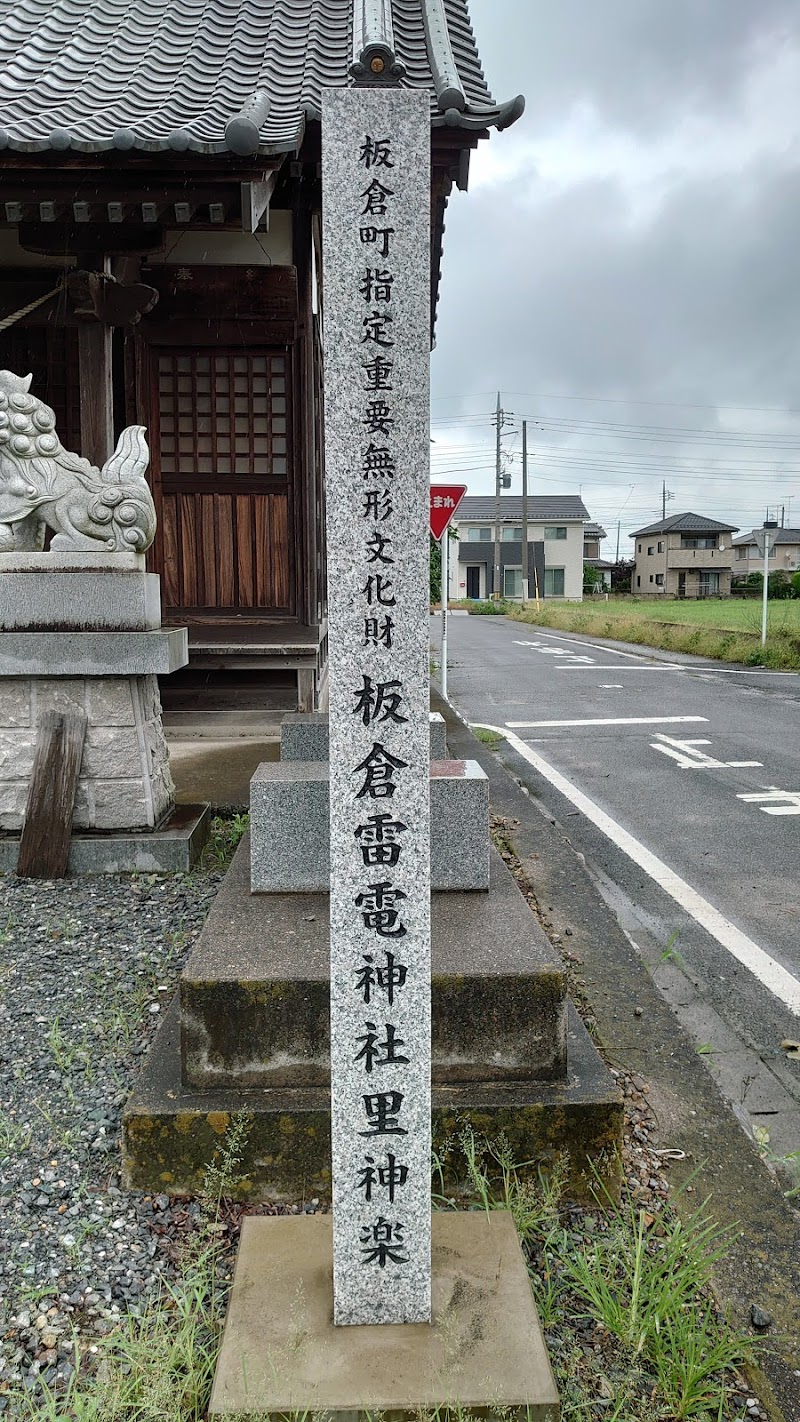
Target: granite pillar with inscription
<point>376,252</point>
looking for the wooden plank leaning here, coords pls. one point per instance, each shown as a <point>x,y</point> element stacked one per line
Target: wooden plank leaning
<point>46,832</point>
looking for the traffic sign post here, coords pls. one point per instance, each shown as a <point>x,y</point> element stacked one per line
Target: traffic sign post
<point>445,499</point>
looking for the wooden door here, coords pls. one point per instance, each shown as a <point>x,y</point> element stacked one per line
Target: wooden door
<point>220,429</point>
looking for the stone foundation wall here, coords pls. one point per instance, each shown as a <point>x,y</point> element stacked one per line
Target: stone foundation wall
<point>125,780</point>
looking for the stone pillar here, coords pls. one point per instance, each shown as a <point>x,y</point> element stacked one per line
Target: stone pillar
<point>376,256</point>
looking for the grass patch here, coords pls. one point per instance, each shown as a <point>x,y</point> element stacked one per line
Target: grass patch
<point>623,1295</point>
<point>223,840</point>
<point>722,629</point>
<point>492,739</point>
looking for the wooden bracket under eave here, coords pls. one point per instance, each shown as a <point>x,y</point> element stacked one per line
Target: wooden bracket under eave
<point>255,202</point>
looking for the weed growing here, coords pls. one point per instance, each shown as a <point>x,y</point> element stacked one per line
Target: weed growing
<point>623,1296</point>
<point>223,840</point>
<point>492,739</point>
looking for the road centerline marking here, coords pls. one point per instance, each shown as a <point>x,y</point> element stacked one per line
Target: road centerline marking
<point>770,973</point>
<point>608,721</point>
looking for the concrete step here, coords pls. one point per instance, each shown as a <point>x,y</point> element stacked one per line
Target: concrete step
<point>171,1133</point>
<point>255,991</point>
<point>289,823</point>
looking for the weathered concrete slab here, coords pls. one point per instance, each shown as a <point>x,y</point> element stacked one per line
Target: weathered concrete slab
<point>69,596</point>
<point>482,1353</point>
<point>171,850</point>
<point>255,990</point>
<point>290,834</point>
<point>304,736</point>
<point>171,1132</point>
<point>78,654</point>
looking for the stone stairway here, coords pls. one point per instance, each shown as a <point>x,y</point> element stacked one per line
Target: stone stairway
<point>249,1028</point>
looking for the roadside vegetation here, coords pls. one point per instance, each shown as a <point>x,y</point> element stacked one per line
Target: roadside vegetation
<point>623,1293</point>
<point>727,629</point>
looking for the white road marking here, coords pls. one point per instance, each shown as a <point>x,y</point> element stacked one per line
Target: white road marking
<point>555,651</point>
<point>598,666</point>
<point>608,721</point>
<point>683,666</point>
<point>610,685</point>
<point>687,756</point>
<point>597,646</point>
<point>784,802</point>
<point>761,964</point>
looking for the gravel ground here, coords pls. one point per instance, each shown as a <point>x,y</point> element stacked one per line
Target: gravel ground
<point>86,968</point>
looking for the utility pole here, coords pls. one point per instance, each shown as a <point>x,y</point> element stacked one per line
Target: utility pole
<point>524,512</point>
<point>618,528</point>
<point>496,590</point>
<point>663,500</point>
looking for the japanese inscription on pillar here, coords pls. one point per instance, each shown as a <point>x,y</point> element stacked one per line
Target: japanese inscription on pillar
<point>376,278</point>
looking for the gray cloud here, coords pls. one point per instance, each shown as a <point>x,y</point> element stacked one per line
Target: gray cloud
<point>643,270</point>
<point>639,62</point>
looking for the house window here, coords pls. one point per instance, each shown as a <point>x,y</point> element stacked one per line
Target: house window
<point>556,531</point>
<point>554,582</point>
<point>701,542</point>
<point>512,534</point>
<point>479,535</point>
<point>709,584</point>
<point>659,580</point>
<point>651,577</point>
<point>741,553</point>
<point>640,547</point>
<point>512,582</point>
<point>651,550</point>
<point>222,412</point>
<point>660,546</point>
<point>638,579</point>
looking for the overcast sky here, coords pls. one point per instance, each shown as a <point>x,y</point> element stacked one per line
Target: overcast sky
<point>625,268</point>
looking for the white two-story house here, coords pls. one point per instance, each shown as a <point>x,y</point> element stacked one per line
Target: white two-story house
<point>555,547</point>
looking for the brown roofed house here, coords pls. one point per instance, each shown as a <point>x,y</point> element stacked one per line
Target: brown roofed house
<point>686,555</point>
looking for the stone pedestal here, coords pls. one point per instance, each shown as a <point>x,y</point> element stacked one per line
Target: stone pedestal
<point>82,631</point>
<point>482,1354</point>
<point>290,834</point>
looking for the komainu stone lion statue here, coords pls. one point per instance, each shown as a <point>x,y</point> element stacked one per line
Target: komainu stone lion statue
<point>42,484</point>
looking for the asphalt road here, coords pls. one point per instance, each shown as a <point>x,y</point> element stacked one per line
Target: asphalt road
<point>678,780</point>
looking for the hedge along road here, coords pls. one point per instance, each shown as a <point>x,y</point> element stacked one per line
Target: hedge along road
<point>678,779</point>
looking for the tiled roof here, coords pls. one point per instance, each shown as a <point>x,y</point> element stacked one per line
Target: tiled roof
<point>479,506</point>
<point>781,535</point>
<point>686,523</point>
<point>213,76</point>
<point>594,530</point>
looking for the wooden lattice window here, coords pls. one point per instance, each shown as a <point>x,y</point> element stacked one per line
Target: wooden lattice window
<point>223,413</point>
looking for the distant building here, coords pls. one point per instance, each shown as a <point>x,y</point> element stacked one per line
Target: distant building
<point>555,547</point>
<point>785,556</point>
<point>593,533</point>
<point>685,555</point>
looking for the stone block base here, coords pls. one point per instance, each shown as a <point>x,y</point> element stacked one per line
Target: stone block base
<point>171,1133</point>
<point>304,736</point>
<point>255,994</point>
<point>289,822</point>
<point>125,781</point>
<point>173,849</point>
<point>483,1353</point>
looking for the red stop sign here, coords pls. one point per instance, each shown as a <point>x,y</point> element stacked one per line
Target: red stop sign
<point>445,499</point>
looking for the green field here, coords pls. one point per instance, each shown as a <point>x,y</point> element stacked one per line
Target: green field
<point>725,628</point>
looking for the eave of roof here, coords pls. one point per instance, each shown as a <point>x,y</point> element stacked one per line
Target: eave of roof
<point>781,535</point>
<point>244,77</point>
<point>483,507</point>
<point>685,523</point>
